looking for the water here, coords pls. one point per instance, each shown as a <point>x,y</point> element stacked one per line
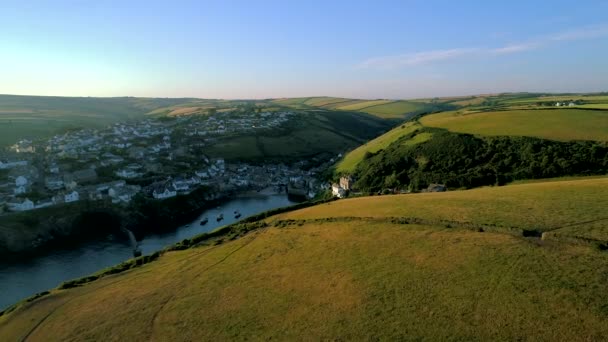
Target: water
<point>23,279</point>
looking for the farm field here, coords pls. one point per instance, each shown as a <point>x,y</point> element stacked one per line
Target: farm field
<point>363,104</point>
<point>386,109</point>
<point>554,124</point>
<point>354,279</point>
<point>394,110</point>
<point>588,98</point>
<point>324,101</point>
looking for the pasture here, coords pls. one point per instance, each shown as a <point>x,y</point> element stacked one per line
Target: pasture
<point>394,110</point>
<point>554,124</point>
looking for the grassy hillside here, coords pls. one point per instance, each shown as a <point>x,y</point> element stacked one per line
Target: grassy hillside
<point>350,161</point>
<point>353,279</point>
<point>555,124</point>
<point>42,116</point>
<point>396,109</point>
<point>542,206</point>
<point>310,133</point>
<point>386,109</point>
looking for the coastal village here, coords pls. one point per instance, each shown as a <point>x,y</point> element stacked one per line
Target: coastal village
<point>158,158</point>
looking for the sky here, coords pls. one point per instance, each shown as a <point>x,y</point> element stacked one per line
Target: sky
<point>271,49</point>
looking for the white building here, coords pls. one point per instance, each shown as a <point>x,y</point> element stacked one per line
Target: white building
<point>71,197</point>
<point>21,181</point>
<point>9,165</point>
<point>338,191</point>
<point>166,192</point>
<point>127,173</point>
<point>20,190</point>
<point>21,205</point>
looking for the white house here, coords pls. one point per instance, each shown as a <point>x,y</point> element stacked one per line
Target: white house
<point>21,181</point>
<point>54,183</point>
<point>181,185</point>
<point>164,192</point>
<point>337,191</point>
<point>123,194</point>
<point>20,190</point>
<point>71,197</point>
<point>8,165</point>
<point>202,174</point>
<point>17,205</point>
<point>127,173</point>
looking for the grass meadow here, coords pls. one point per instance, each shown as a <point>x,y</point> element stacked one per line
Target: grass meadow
<point>554,124</point>
<point>542,206</point>
<point>394,110</point>
<point>354,157</point>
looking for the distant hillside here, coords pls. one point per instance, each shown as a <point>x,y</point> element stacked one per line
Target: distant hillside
<point>497,140</point>
<point>386,109</point>
<point>308,134</point>
<point>435,266</point>
<point>42,116</point>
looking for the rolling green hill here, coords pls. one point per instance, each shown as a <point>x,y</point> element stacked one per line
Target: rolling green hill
<point>435,266</point>
<point>309,133</point>
<point>349,163</point>
<point>386,109</point>
<point>42,116</point>
<point>505,116</point>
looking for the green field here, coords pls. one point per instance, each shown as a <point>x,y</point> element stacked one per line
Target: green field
<point>386,109</point>
<point>396,109</point>
<point>350,161</point>
<point>554,124</point>
<point>324,101</point>
<point>541,206</point>
<point>310,133</point>
<point>363,104</point>
<point>357,278</point>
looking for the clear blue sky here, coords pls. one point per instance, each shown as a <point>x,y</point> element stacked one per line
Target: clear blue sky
<point>260,49</point>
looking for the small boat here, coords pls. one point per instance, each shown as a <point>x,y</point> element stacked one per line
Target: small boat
<point>204,221</point>
<point>187,226</point>
<point>237,214</point>
<point>220,217</point>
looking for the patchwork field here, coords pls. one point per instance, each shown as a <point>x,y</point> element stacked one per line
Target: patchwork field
<point>387,109</point>
<point>43,116</point>
<point>554,124</point>
<point>352,279</point>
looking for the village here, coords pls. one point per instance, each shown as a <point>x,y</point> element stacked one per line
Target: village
<point>157,157</point>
